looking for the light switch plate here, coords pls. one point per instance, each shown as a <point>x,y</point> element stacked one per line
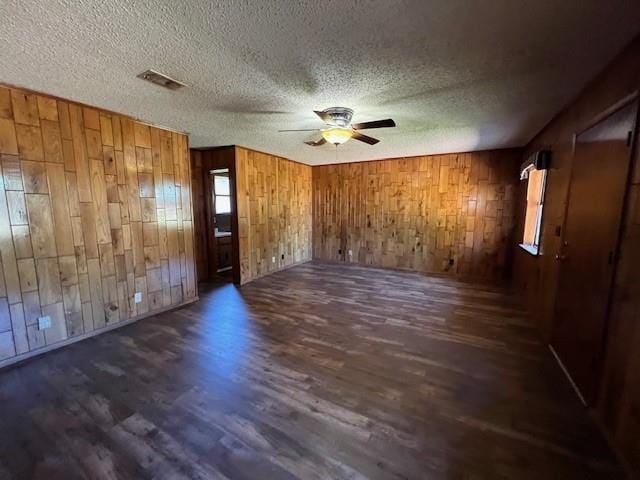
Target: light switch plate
<point>350,253</point>
<point>44,322</point>
<point>273,259</point>
<point>137,297</point>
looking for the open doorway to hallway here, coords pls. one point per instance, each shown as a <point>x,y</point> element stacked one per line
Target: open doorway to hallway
<point>215,212</point>
<point>221,230</point>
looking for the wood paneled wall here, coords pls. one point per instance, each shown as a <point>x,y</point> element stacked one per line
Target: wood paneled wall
<point>274,212</point>
<point>537,277</point>
<point>442,213</point>
<point>94,207</point>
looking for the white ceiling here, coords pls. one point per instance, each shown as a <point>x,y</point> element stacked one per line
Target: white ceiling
<point>455,75</point>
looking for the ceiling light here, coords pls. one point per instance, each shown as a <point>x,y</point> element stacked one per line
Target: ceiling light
<point>337,135</point>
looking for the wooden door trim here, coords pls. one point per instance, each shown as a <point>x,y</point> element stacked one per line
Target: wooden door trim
<point>607,112</point>
<point>591,398</point>
<point>210,242</point>
<point>235,236</point>
<point>616,255</point>
<point>603,115</point>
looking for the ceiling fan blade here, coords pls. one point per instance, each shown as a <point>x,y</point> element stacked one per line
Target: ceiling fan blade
<point>364,138</point>
<point>317,143</point>
<point>326,118</point>
<point>375,124</point>
<point>301,130</point>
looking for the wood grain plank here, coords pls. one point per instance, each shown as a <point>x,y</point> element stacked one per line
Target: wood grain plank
<point>60,208</point>
<point>25,108</point>
<point>131,170</point>
<point>6,111</point>
<point>7,347</point>
<point>17,208</point>
<point>80,153</point>
<point>47,108</point>
<point>11,172</point>
<point>27,273</point>
<point>52,142</point>
<point>91,118</point>
<point>19,328</point>
<point>29,142</point>
<point>7,253</point>
<point>98,182</point>
<point>34,177</point>
<point>8,137</point>
<point>41,225</point>
<point>95,289</point>
<point>22,241</point>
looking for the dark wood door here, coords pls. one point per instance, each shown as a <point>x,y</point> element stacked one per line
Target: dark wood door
<point>598,183</point>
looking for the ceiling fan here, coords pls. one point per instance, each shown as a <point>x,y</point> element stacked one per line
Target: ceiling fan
<point>339,128</point>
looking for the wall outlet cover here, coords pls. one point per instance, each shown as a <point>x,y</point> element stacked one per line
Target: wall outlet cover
<point>44,322</point>
<point>137,297</point>
<point>350,253</point>
<point>273,259</point>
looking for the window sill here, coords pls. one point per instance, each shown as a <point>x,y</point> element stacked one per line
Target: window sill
<point>530,249</point>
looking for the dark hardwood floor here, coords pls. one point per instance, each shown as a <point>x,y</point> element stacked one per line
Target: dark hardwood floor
<point>320,371</point>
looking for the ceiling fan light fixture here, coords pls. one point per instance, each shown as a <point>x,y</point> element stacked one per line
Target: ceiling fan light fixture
<point>336,135</point>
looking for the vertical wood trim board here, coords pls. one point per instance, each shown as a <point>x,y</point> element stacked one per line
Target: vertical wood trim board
<point>94,207</point>
<point>198,169</point>
<point>274,213</point>
<point>451,213</point>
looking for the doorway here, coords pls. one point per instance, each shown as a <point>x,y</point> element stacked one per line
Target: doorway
<point>221,230</point>
<point>587,258</point>
<point>215,214</point>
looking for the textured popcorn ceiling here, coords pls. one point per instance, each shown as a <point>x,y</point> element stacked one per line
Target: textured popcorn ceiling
<point>456,75</point>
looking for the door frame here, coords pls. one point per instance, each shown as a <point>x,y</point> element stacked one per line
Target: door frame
<point>591,398</point>
<point>212,158</point>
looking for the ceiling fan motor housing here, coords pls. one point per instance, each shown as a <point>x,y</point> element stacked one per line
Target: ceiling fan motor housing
<point>339,116</point>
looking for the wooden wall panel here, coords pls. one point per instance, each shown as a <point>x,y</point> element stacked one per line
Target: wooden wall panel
<point>442,213</point>
<point>94,206</point>
<point>199,214</point>
<point>618,405</point>
<point>274,213</point>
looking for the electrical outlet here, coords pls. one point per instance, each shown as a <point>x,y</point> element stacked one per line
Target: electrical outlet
<point>44,322</point>
<point>137,297</point>
<point>351,253</point>
<point>273,259</point>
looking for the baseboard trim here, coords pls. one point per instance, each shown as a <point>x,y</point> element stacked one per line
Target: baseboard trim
<point>13,361</point>
<point>597,420</point>
<point>302,262</point>
<point>568,375</point>
<point>492,281</point>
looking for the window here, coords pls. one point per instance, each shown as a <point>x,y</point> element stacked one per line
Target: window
<point>536,181</point>
<point>221,193</point>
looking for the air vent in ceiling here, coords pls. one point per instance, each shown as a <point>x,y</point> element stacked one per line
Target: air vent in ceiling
<point>161,79</point>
